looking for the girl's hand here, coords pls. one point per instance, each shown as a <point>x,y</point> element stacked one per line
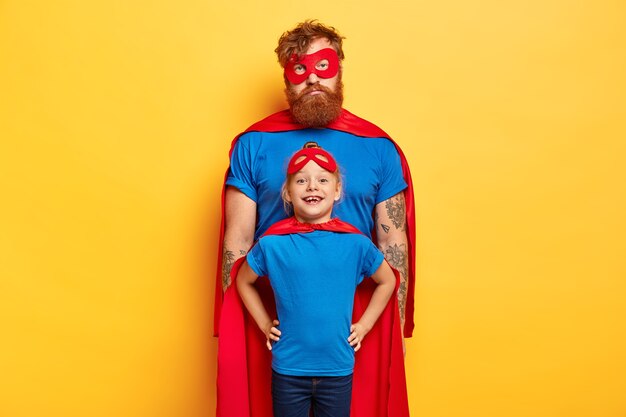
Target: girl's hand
<point>357,334</point>
<point>271,334</point>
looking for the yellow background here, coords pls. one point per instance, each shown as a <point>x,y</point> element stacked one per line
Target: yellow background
<point>115,122</point>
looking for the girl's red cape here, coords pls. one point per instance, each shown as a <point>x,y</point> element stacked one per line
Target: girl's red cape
<point>244,363</point>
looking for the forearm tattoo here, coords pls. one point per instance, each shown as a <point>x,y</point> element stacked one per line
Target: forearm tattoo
<point>397,256</point>
<point>396,212</point>
<point>228,259</point>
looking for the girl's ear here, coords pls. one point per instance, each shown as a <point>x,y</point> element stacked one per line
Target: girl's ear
<point>338,192</point>
<point>285,194</point>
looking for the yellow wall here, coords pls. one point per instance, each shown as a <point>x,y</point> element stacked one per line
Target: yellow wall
<point>115,121</point>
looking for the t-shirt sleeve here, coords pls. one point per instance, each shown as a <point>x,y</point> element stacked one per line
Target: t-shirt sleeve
<point>256,260</point>
<point>373,258</point>
<point>392,180</point>
<point>240,173</point>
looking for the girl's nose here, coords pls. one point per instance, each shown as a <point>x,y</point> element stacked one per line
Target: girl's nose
<point>312,185</point>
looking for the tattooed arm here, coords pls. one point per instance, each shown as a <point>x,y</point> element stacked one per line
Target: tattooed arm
<point>392,241</point>
<point>239,226</point>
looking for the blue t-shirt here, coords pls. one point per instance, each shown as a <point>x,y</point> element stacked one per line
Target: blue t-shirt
<point>370,167</point>
<point>314,278</point>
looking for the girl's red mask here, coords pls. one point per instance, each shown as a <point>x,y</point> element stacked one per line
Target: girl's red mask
<point>298,70</point>
<point>311,154</point>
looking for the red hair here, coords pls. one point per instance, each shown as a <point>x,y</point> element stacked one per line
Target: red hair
<point>297,40</point>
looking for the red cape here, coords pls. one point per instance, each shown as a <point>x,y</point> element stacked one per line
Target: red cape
<point>244,363</point>
<point>349,123</point>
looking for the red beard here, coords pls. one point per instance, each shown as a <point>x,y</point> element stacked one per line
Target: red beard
<point>318,110</point>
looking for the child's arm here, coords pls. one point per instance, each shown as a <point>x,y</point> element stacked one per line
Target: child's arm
<point>386,281</point>
<point>246,278</point>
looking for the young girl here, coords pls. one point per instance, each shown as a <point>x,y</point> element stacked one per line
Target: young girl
<point>314,264</point>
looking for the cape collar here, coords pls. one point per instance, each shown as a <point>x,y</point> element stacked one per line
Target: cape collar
<point>282,121</point>
<point>291,225</point>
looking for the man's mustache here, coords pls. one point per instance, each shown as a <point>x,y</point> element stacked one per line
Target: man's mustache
<point>314,87</point>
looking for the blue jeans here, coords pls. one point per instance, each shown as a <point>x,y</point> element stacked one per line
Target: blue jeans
<point>329,396</point>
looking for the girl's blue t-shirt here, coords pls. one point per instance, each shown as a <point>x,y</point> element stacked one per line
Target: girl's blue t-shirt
<point>314,278</point>
<point>370,167</point>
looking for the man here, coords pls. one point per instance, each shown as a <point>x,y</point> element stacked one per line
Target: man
<point>378,195</point>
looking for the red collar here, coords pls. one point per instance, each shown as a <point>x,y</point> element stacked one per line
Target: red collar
<point>292,225</point>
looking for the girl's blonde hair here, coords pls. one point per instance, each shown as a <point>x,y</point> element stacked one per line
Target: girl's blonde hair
<point>283,191</point>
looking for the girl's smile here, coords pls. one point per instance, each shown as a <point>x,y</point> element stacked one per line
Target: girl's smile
<point>312,191</point>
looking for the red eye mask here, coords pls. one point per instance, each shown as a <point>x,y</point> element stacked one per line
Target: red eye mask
<point>296,75</point>
<point>311,154</point>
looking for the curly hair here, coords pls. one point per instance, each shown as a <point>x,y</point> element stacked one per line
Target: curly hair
<point>297,40</point>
